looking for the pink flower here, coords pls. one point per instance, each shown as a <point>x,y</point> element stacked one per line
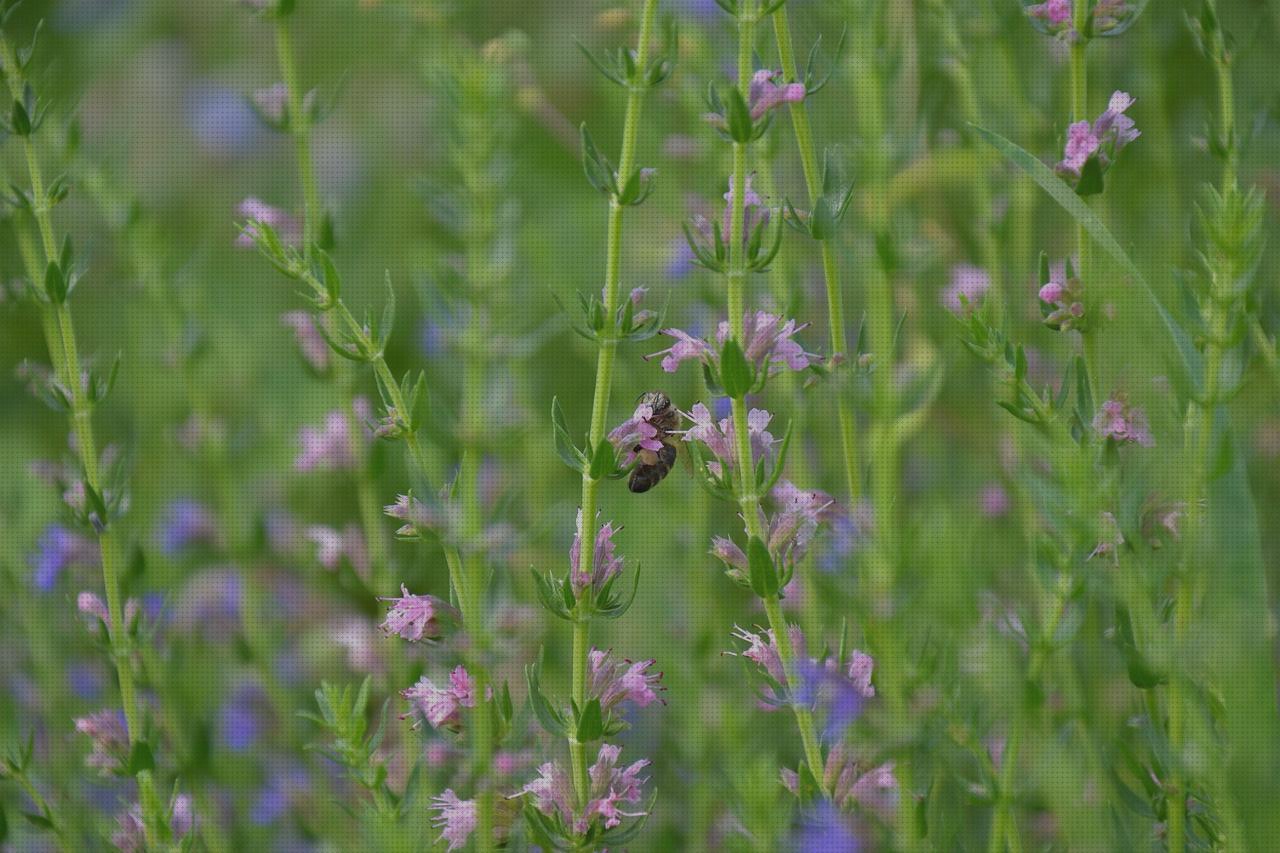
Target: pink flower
<point>442,706</point>
<point>969,282</point>
<point>1063,298</point>
<point>605,562</point>
<point>109,735</point>
<point>762,649</point>
<point>314,348</point>
<point>1082,142</point>
<point>718,437</point>
<point>767,342</point>
<point>332,546</point>
<point>1054,17</point>
<point>415,617</point>
<point>1103,139</point>
<point>329,447</point>
<point>614,682</point>
<point>254,210</point>
<point>1119,421</point>
<point>611,788</point>
<point>455,818</point>
<point>130,834</point>
<point>994,500</point>
<point>638,431</point>
<point>766,92</point>
<point>861,668</point>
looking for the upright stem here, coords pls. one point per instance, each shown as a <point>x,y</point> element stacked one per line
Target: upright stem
<point>1080,112</point>
<point>830,269</point>
<point>300,130</point>
<point>61,342</point>
<point>748,499</point>
<point>604,385</point>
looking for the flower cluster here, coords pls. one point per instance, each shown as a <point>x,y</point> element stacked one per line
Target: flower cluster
<point>968,285</point>
<point>441,706</point>
<point>766,93</point>
<point>788,531</point>
<point>1122,423</point>
<point>1062,299</point>
<point>873,787</point>
<point>109,736</point>
<point>416,617</point>
<point>768,344</point>
<point>616,681</point>
<point>1099,142</point>
<point>612,787</point>
<point>637,433</point>
<point>1105,18</point>
<point>718,437</point>
<point>130,835</point>
<point>254,211</point>
<point>605,564</point>
<point>331,447</point>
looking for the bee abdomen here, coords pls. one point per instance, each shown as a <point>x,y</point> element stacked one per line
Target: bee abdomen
<point>645,477</point>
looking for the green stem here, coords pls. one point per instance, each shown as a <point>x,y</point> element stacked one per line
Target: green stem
<point>66,360</point>
<point>830,270</point>
<point>1079,112</point>
<point>300,129</point>
<point>748,499</point>
<point>603,387</point>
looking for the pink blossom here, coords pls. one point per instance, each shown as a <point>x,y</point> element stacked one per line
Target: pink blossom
<point>254,210</point>
<point>455,818</point>
<point>762,649</point>
<point>1055,18</point>
<point>766,92</point>
<point>1064,298</point>
<point>1103,139</point>
<point>768,342</point>
<point>637,431</point>
<point>616,681</point>
<point>327,448</point>
<point>109,736</point>
<point>969,282</point>
<point>605,563</point>
<point>994,500</point>
<point>1082,143</point>
<point>1121,422</point>
<point>441,706</point>
<point>719,437</point>
<point>611,788</point>
<point>313,346</point>
<point>415,617</point>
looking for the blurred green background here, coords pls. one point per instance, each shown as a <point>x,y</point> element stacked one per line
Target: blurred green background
<point>151,120</point>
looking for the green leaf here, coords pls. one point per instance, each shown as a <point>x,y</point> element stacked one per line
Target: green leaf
<point>1090,182</point>
<point>736,374</point>
<point>140,759</point>
<point>550,719</point>
<point>591,722</point>
<point>764,577</point>
<point>565,448</point>
<point>55,284</point>
<point>1188,368</point>
<point>38,820</point>
<point>604,460</point>
<point>738,117</point>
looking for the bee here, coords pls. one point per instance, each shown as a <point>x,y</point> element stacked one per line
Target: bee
<point>653,465</point>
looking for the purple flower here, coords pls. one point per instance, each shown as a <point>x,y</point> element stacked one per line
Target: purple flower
<point>455,818</point>
<point>109,736</point>
<point>254,210</point>
<point>57,549</point>
<point>415,617</point>
<point>1121,422</point>
<point>611,788</point>
<point>825,829</point>
<point>442,706</point>
<point>220,120</point>
<point>754,210</point>
<point>187,523</point>
<point>969,282</point>
<point>762,650</point>
<point>1103,140</point>
<point>616,681</point>
<point>605,563</point>
<point>239,720</point>
<point>312,345</point>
